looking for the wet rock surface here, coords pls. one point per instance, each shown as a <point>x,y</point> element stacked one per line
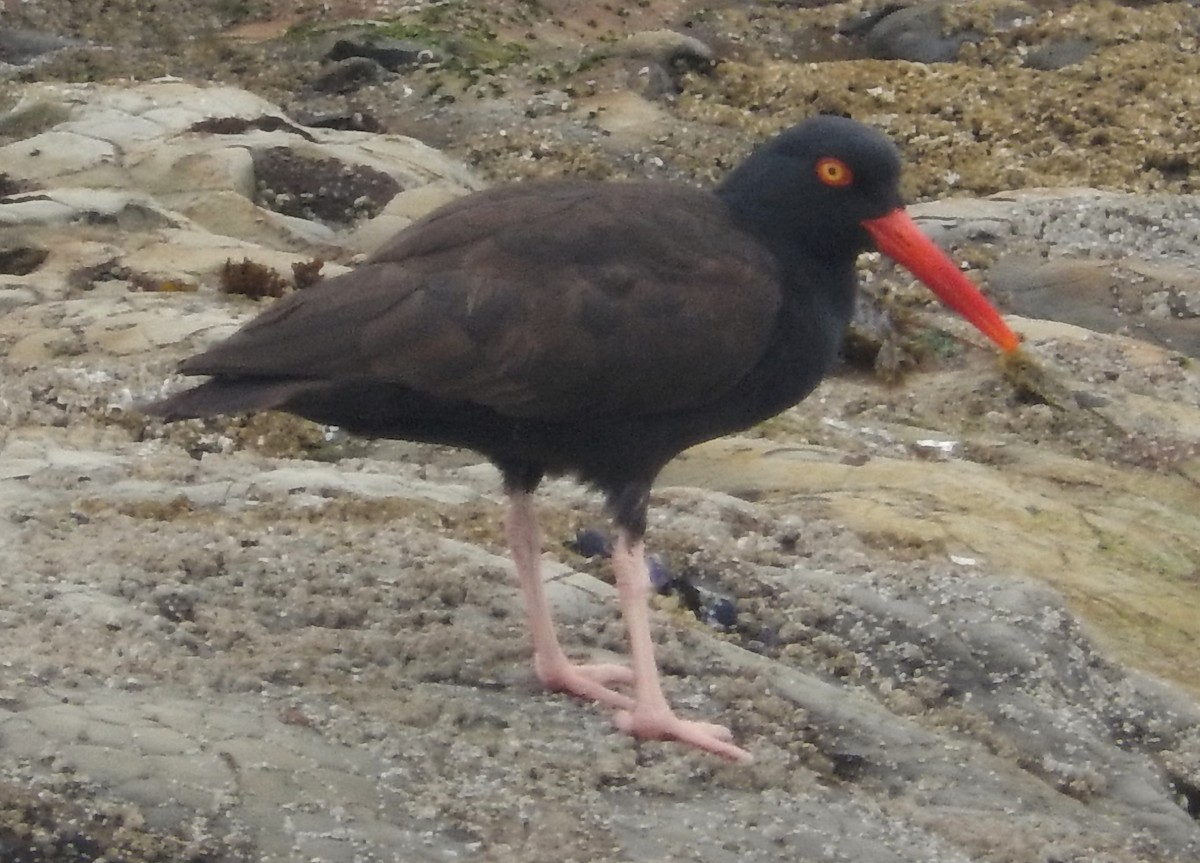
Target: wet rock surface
<point>961,605</point>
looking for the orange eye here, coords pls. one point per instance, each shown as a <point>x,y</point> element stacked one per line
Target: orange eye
<point>834,172</point>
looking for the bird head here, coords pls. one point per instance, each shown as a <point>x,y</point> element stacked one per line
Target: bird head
<point>828,189</point>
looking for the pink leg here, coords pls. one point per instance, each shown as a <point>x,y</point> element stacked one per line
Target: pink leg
<point>651,718</point>
<point>553,668</point>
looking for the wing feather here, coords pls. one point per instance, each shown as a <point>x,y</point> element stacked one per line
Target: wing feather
<point>555,300</point>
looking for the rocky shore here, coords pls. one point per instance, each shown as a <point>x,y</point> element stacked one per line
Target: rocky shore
<point>959,605</point>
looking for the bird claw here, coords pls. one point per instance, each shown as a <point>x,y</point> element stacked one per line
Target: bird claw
<point>665,725</point>
<point>592,681</point>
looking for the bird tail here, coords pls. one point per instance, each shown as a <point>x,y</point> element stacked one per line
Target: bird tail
<point>224,396</point>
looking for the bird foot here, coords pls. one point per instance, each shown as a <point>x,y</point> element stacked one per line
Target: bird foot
<point>593,681</point>
<point>663,724</point>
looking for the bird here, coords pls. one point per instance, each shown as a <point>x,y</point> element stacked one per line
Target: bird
<point>594,329</point>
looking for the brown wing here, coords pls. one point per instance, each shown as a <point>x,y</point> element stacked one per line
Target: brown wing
<point>550,300</point>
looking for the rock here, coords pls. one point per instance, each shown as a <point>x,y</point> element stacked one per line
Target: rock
<point>348,75</point>
<point>400,212</point>
<point>1155,302</point>
<point>391,54</point>
<point>914,33</point>
<point>1095,279</point>
<point>347,121</point>
<point>20,47</point>
<point>20,260</point>
<point>194,168</point>
<point>1061,53</point>
<point>20,295</point>
<point>666,54</point>
<point>669,48</point>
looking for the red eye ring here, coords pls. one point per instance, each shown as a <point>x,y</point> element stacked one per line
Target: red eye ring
<point>834,172</point>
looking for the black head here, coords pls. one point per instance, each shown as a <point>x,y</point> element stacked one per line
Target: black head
<point>810,187</point>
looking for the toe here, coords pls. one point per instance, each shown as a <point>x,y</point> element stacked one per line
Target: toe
<point>606,673</point>
<point>656,725</point>
<point>587,681</point>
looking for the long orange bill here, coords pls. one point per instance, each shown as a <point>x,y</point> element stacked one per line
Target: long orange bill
<point>898,237</point>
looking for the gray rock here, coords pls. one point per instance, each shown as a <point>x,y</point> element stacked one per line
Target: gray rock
<point>1150,301</point>
<point>1060,53</point>
<point>914,33</point>
<point>668,47</point>
<point>348,75</point>
<point>20,47</point>
<point>1105,274</point>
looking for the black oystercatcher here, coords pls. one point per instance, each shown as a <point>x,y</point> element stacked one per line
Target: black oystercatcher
<point>594,329</point>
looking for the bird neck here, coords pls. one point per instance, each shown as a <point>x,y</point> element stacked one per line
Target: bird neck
<point>816,307</point>
<point>795,236</point>
<point>816,268</point>
<point>818,303</point>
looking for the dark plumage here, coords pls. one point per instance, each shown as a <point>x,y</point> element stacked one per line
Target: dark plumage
<point>594,329</point>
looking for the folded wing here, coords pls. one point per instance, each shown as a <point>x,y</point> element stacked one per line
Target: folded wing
<point>542,300</point>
